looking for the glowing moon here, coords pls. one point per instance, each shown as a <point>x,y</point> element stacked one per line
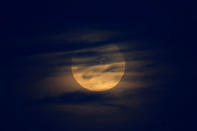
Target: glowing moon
<point>98,69</point>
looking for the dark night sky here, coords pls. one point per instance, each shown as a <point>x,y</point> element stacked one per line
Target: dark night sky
<point>158,36</point>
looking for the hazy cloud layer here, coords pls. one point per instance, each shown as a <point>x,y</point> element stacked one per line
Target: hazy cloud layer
<point>50,70</point>
<point>53,69</point>
<point>85,36</point>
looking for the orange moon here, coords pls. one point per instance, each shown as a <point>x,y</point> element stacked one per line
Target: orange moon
<point>98,69</point>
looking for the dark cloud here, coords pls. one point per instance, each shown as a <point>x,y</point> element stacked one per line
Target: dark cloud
<point>113,68</point>
<point>91,36</point>
<point>72,98</point>
<point>87,77</point>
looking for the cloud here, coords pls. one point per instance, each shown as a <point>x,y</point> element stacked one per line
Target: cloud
<point>51,69</point>
<point>87,99</point>
<point>97,56</point>
<point>89,36</point>
<point>59,79</point>
<point>72,98</point>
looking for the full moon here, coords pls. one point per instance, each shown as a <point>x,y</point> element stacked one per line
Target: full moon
<point>98,69</point>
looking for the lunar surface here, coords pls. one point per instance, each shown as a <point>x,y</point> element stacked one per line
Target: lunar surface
<point>98,69</point>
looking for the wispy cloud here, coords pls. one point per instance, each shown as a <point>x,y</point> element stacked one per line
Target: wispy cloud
<point>83,36</point>
<point>91,36</point>
<point>91,48</point>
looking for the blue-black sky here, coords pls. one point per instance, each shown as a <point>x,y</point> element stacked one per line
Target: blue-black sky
<point>39,41</point>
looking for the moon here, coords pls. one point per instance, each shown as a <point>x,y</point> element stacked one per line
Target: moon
<point>98,69</point>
